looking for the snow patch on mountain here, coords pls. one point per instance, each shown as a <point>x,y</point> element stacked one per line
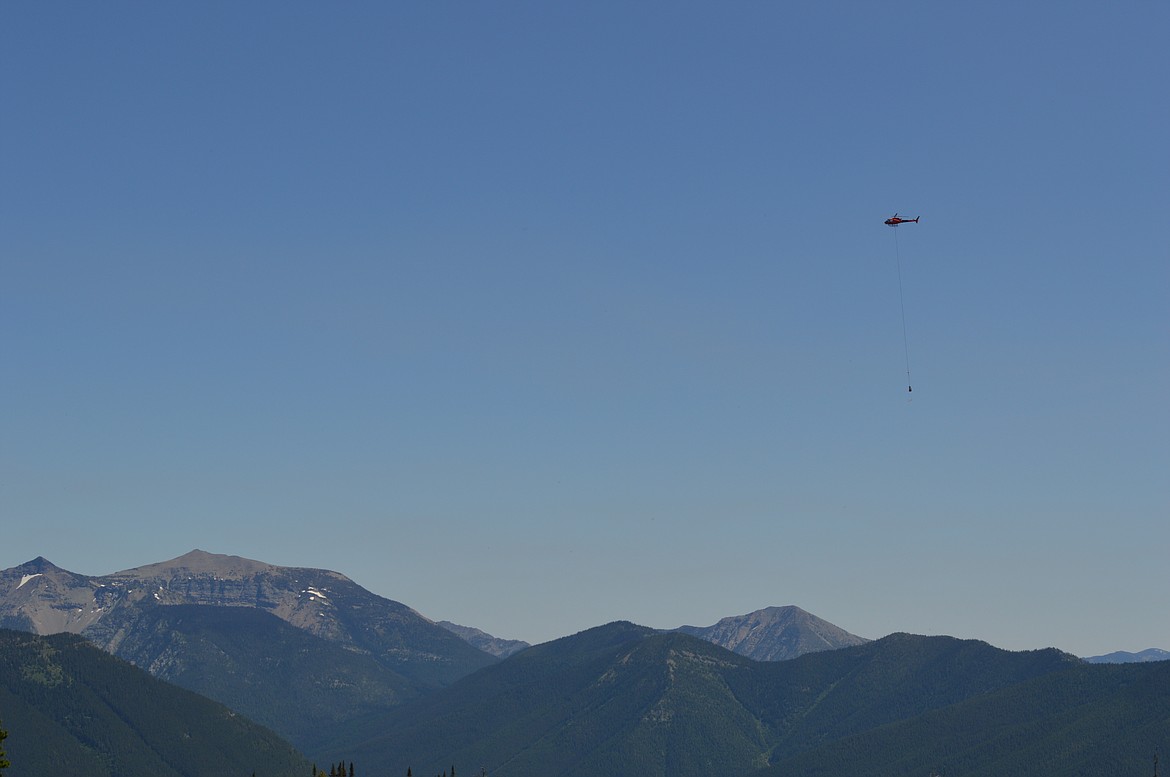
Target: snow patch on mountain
<point>26,578</point>
<point>314,595</point>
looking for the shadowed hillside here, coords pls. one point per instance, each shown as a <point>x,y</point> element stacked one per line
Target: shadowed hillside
<point>625,700</point>
<point>72,710</point>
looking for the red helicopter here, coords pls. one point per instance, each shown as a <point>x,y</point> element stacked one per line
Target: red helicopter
<point>895,221</point>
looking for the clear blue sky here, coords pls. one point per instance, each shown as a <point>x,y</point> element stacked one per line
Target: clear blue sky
<point>535,316</point>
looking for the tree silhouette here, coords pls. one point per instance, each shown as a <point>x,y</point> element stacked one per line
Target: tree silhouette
<point>4,764</point>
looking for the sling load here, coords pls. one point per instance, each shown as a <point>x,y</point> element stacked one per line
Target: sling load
<point>894,221</point>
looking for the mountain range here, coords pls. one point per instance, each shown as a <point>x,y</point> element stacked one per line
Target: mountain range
<point>303,651</point>
<point>1124,657</point>
<point>622,700</point>
<point>300,650</point>
<point>337,669</point>
<point>770,634</point>
<point>325,604</point>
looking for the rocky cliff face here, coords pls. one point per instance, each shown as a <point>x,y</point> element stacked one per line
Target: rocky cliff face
<point>44,599</point>
<point>303,597</point>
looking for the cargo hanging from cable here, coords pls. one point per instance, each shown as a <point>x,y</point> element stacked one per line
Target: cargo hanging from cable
<point>894,221</point>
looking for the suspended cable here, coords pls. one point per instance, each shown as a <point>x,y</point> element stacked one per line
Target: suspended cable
<point>902,304</point>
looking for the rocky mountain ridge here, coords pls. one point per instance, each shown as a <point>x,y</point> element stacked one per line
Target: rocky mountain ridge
<point>44,599</point>
<point>496,646</point>
<point>775,634</point>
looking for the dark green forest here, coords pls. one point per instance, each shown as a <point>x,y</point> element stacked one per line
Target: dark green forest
<point>620,700</point>
<point>624,700</point>
<point>72,710</point>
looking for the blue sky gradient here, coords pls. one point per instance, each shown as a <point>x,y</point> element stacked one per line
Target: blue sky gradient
<point>535,316</point>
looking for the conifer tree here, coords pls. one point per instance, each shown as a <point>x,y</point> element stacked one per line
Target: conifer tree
<point>4,764</point>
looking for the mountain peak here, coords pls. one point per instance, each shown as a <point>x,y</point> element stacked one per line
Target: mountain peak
<point>775,634</point>
<point>200,562</point>
<point>38,566</point>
